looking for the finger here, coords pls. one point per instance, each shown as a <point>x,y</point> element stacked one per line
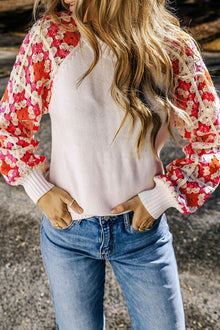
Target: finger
<point>59,223</point>
<point>126,206</point>
<point>67,218</point>
<point>70,201</point>
<point>146,224</point>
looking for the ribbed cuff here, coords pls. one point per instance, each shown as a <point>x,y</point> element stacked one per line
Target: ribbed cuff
<point>158,199</point>
<point>36,185</point>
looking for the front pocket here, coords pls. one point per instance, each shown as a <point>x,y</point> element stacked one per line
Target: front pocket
<point>136,231</point>
<point>72,223</point>
<point>49,224</point>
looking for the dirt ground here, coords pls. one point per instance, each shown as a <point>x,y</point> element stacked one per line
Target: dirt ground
<point>25,297</point>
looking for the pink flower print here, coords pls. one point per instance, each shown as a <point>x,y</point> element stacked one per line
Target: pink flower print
<point>56,43</point>
<point>28,102</point>
<point>27,39</point>
<point>13,159</point>
<point>46,56</point>
<point>22,51</point>
<point>9,145</point>
<point>17,63</point>
<point>30,61</point>
<point>37,48</point>
<point>36,109</point>
<point>52,32</point>
<point>61,53</point>
<point>33,86</point>
<point>28,77</point>
<point>12,108</point>
<point>2,157</point>
<point>2,109</point>
<point>8,116</point>
<point>15,173</point>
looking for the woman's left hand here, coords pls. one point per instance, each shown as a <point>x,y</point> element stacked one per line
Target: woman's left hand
<point>142,219</point>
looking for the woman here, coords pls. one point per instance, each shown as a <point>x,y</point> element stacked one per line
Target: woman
<point>104,69</point>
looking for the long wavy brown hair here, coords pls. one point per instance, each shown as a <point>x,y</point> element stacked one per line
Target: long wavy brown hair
<point>136,31</point>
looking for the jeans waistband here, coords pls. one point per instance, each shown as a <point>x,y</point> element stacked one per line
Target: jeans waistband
<point>125,217</point>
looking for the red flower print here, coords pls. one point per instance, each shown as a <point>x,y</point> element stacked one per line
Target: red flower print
<point>175,65</point>
<point>19,97</point>
<point>201,85</point>
<point>204,128</point>
<point>26,157</point>
<point>11,128</point>
<point>195,108</point>
<point>191,96</point>
<point>179,173</point>
<point>181,102</point>
<point>189,52</point>
<point>192,185</point>
<point>208,96</point>
<point>22,143</point>
<point>179,161</point>
<point>184,85</point>
<point>187,135</point>
<point>188,150</point>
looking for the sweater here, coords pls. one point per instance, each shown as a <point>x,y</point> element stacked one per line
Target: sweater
<point>84,120</point>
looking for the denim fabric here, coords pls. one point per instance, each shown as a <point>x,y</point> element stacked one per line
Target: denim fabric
<point>143,262</point>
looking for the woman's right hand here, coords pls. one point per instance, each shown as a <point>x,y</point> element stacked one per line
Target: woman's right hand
<point>54,205</point>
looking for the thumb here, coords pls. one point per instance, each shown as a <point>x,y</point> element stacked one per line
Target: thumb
<point>126,206</point>
<point>71,202</point>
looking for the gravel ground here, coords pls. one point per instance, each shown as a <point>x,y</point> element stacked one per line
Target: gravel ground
<point>25,296</point>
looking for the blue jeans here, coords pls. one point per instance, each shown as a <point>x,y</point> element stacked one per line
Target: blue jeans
<point>143,262</point>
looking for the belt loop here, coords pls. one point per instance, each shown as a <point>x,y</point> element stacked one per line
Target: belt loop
<point>127,219</point>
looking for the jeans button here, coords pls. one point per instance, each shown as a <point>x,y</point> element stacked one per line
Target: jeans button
<point>106,218</point>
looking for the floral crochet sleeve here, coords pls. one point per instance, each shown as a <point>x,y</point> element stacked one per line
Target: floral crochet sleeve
<point>189,181</point>
<point>25,100</point>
